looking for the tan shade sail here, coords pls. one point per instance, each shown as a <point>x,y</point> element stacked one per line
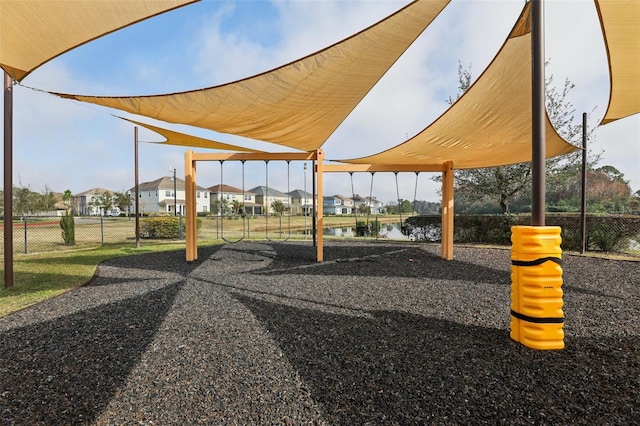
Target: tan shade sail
<point>34,32</point>
<point>300,104</point>
<point>620,22</point>
<point>490,125</point>
<point>182,139</point>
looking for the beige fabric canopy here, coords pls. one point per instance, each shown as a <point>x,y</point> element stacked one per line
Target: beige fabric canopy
<point>490,125</point>
<point>34,32</point>
<point>620,22</point>
<point>298,105</point>
<point>182,139</point>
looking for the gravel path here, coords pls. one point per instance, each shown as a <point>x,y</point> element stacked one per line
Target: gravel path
<point>259,333</point>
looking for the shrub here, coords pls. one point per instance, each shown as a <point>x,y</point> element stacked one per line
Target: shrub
<point>164,227</point>
<point>68,225</point>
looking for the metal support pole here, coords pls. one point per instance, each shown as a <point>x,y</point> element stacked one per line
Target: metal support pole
<point>538,142</point>
<point>137,190</point>
<point>583,200</point>
<point>313,204</point>
<point>26,236</point>
<point>175,194</point>
<point>8,181</point>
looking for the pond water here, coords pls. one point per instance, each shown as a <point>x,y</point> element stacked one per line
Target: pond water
<point>388,230</point>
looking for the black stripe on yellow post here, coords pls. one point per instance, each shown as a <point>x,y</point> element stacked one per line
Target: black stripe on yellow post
<point>537,319</point>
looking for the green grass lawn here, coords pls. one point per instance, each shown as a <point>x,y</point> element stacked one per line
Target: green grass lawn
<point>40,276</point>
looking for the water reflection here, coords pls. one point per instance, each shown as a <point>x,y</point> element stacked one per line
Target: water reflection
<point>388,230</point>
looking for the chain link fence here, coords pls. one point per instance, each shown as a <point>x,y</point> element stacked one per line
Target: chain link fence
<point>605,233</point>
<point>33,234</point>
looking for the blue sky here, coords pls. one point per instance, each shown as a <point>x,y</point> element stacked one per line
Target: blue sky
<point>65,144</point>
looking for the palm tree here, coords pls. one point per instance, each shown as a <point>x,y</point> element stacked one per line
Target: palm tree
<point>278,207</point>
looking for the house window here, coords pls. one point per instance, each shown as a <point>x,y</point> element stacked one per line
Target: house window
<point>204,209</point>
<point>205,196</point>
<point>247,197</point>
<point>198,194</point>
<point>167,193</point>
<point>149,194</point>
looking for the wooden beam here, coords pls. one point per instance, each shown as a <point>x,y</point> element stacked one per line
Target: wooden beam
<point>254,156</point>
<point>190,206</point>
<point>447,212</point>
<point>319,201</point>
<point>342,167</point>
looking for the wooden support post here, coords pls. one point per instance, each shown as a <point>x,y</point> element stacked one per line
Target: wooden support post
<point>190,207</point>
<point>447,211</point>
<point>319,202</point>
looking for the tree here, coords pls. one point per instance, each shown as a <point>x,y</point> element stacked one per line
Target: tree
<point>23,200</point>
<point>236,206</point>
<point>46,201</point>
<point>67,197</point>
<point>106,201</point>
<point>122,199</point>
<point>364,209</point>
<point>278,207</point>
<point>506,184</point>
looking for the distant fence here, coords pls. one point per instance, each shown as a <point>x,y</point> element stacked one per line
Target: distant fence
<point>33,234</point>
<point>605,233</point>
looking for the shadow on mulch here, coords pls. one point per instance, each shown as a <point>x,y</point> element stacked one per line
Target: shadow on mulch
<point>399,368</point>
<point>396,260</point>
<point>66,370</point>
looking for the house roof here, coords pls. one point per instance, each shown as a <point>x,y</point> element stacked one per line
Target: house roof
<point>228,189</point>
<point>93,191</point>
<point>262,190</point>
<point>165,182</point>
<point>299,193</point>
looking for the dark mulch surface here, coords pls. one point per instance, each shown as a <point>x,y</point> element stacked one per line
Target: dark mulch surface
<point>259,333</point>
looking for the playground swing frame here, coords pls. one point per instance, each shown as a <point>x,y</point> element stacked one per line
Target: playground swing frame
<point>319,168</point>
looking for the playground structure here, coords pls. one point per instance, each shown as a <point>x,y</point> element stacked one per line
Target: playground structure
<point>318,169</point>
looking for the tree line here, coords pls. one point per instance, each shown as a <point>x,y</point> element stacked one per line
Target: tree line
<point>29,202</point>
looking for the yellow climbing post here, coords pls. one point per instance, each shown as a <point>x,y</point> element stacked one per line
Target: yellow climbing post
<point>537,319</point>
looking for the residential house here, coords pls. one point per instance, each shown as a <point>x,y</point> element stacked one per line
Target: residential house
<point>375,205</point>
<point>337,204</point>
<point>301,202</point>
<point>265,196</point>
<point>89,203</point>
<point>232,194</point>
<point>158,196</point>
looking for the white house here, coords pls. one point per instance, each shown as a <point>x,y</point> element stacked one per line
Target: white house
<point>158,196</point>
<point>375,205</point>
<point>231,195</point>
<point>337,204</point>
<point>89,203</point>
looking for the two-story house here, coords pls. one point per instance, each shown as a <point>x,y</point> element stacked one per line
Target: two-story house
<point>374,205</point>
<point>337,204</point>
<point>301,202</point>
<point>89,203</point>
<point>265,196</point>
<point>158,196</point>
<point>231,196</point>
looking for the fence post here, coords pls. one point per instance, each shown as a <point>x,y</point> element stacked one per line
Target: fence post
<point>24,220</point>
<point>101,230</point>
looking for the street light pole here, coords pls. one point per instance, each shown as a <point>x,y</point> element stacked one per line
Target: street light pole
<point>175,194</point>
